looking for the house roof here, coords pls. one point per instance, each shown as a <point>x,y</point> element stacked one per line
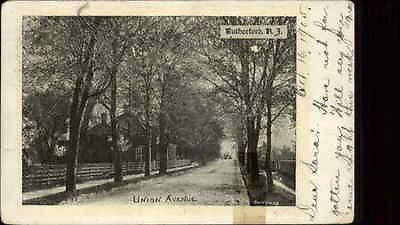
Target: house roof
<point>135,121</point>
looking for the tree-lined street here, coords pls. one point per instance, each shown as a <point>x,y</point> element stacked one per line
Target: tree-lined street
<point>150,92</point>
<point>218,183</point>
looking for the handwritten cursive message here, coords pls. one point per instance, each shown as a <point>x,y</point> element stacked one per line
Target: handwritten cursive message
<point>327,31</point>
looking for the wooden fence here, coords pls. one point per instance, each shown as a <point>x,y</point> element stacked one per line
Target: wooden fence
<point>45,175</point>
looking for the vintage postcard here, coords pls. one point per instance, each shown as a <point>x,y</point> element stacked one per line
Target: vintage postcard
<point>177,112</point>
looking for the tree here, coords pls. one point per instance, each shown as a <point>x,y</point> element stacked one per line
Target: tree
<point>193,118</point>
<point>229,61</point>
<point>156,65</point>
<point>140,69</point>
<point>66,48</point>
<point>161,51</point>
<point>42,113</point>
<point>246,70</point>
<point>81,92</point>
<point>118,35</point>
<point>280,89</point>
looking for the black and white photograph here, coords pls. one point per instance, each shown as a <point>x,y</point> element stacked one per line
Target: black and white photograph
<point>159,110</point>
<point>179,112</point>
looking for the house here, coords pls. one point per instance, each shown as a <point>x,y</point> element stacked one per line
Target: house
<point>131,132</point>
<point>96,139</point>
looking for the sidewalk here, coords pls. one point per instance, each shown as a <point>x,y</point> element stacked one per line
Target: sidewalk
<point>284,187</point>
<point>26,196</point>
<point>279,184</point>
<point>241,186</point>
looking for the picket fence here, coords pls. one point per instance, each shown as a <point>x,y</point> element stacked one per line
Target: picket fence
<point>39,176</point>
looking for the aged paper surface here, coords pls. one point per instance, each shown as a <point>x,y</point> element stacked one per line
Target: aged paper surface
<point>313,183</point>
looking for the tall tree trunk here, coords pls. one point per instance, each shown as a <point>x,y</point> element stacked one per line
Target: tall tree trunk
<point>241,151</point>
<point>252,134</point>
<point>163,144</point>
<point>249,144</point>
<point>72,157</point>
<point>252,158</point>
<point>79,101</point>
<point>114,133</point>
<point>76,113</point>
<point>147,153</point>
<point>268,169</point>
<point>162,125</point>
<point>148,146</point>
<point>84,139</point>
<point>78,107</point>
<point>241,144</point>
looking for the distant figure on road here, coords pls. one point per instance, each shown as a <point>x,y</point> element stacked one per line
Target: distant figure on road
<point>227,156</point>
